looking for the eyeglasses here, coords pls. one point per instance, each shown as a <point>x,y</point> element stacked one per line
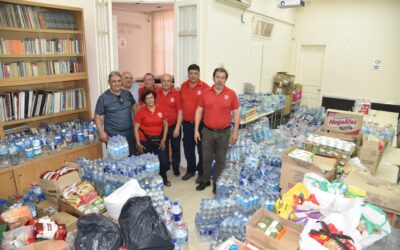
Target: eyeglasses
<point>120,99</point>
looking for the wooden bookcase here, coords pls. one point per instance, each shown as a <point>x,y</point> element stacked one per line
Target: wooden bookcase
<point>17,178</point>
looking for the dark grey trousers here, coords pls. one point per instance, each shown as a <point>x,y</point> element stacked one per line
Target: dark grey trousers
<point>214,145</point>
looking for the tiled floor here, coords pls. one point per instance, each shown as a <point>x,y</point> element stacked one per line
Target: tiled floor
<point>185,191</point>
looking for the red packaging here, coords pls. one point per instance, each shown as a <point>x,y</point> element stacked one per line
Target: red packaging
<point>50,231</point>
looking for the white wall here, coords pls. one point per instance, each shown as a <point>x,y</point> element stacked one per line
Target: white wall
<point>355,32</point>
<point>228,41</point>
<point>89,23</point>
<point>137,56</point>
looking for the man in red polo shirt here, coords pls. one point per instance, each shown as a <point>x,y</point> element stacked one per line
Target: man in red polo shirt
<point>149,83</point>
<point>191,91</point>
<point>216,106</point>
<point>169,99</point>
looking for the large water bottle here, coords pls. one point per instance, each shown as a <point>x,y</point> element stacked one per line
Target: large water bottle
<point>80,137</point>
<point>91,134</point>
<point>13,152</point>
<point>176,210</point>
<point>167,205</point>
<point>31,205</point>
<point>181,235</point>
<point>21,152</point>
<point>68,139</point>
<point>37,148</point>
<point>43,141</point>
<point>4,157</point>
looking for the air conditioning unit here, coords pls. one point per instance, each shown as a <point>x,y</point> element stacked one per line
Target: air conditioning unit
<point>241,4</point>
<point>290,3</point>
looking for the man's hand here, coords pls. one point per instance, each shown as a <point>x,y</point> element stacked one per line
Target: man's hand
<point>139,148</point>
<point>176,132</point>
<point>234,137</point>
<point>162,144</point>
<point>197,138</point>
<point>103,136</point>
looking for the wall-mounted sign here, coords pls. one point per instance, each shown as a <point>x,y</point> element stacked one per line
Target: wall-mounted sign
<point>128,28</point>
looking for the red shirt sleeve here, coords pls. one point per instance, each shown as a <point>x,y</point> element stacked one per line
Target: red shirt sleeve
<point>178,101</point>
<point>201,101</point>
<point>139,116</point>
<point>235,101</point>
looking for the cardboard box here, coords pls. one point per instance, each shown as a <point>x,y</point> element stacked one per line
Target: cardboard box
<point>379,192</point>
<point>293,170</point>
<point>370,154</point>
<point>228,243</point>
<point>67,219</point>
<point>64,206</point>
<point>46,245</point>
<point>54,188</point>
<point>343,123</point>
<point>47,208</point>
<point>290,239</point>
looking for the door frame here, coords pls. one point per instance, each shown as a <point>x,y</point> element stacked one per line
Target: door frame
<point>324,66</point>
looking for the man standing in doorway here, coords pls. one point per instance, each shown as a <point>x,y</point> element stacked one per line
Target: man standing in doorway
<point>191,91</point>
<point>116,106</point>
<point>216,105</point>
<point>128,84</point>
<point>169,99</point>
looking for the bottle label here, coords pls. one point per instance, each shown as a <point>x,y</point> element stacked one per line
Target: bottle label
<point>81,137</point>
<point>29,153</point>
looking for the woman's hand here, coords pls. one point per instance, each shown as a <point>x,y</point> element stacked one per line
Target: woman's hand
<point>140,148</point>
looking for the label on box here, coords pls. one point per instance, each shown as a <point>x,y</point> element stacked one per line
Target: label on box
<point>343,122</point>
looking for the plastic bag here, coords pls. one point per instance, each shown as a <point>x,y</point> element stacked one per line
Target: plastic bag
<point>118,198</point>
<point>373,225</point>
<point>18,237</point>
<point>142,227</point>
<point>97,232</point>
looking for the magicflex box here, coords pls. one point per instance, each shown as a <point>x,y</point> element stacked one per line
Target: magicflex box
<point>343,123</point>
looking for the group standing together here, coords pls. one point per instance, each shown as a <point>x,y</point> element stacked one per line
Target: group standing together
<point>152,118</point>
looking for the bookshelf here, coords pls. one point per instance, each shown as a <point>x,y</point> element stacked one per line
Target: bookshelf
<point>42,52</point>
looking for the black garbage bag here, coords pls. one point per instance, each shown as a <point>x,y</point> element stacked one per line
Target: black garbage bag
<point>142,227</point>
<point>96,232</point>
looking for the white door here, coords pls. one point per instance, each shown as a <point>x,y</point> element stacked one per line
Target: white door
<point>310,73</point>
<point>260,68</point>
<point>186,37</point>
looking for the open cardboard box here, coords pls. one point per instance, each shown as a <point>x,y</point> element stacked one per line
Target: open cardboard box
<point>54,188</point>
<point>290,239</point>
<point>379,192</point>
<point>370,154</point>
<point>342,124</point>
<point>293,170</point>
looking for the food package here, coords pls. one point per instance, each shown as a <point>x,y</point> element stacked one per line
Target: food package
<point>16,217</point>
<point>46,228</point>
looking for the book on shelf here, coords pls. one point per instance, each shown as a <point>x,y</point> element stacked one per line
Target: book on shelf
<point>29,103</point>
<point>32,46</point>
<point>31,17</point>
<point>39,68</point>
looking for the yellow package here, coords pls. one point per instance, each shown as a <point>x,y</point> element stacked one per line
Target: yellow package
<point>284,206</point>
<point>84,188</point>
<point>355,192</point>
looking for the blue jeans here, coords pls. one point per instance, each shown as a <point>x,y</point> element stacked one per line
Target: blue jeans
<point>162,157</point>
<point>175,146</point>
<point>189,147</point>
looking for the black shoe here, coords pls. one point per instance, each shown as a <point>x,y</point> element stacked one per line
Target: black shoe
<point>198,179</point>
<point>214,188</point>
<point>187,176</point>
<point>177,172</point>
<point>203,185</point>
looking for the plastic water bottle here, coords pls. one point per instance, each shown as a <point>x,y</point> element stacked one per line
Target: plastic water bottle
<point>31,205</point>
<point>13,152</point>
<point>3,206</point>
<point>80,137</point>
<point>37,148</point>
<point>28,149</point>
<point>4,157</point>
<point>181,235</point>
<point>91,133</point>
<point>21,152</point>
<point>176,210</point>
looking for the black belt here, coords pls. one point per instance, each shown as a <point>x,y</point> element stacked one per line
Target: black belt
<point>187,122</point>
<point>218,130</point>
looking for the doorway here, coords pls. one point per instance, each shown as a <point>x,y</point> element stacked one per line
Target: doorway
<point>144,40</point>
<point>310,71</point>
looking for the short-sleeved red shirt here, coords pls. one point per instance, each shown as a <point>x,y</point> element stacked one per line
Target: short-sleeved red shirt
<point>217,108</point>
<point>150,122</point>
<point>190,98</point>
<point>171,103</point>
<point>141,89</point>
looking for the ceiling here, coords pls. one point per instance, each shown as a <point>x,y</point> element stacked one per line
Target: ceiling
<point>142,7</point>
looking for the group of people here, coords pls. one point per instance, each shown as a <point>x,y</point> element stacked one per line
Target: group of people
<point>152,118</point>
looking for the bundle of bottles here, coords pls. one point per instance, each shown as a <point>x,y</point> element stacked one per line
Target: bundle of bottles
<point>262,102</point>
<point>50,138</point>
<point>31,198</point>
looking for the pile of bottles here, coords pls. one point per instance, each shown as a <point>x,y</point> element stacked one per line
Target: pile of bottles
<point>228,180</point>
<point>378,133</point>
<point>172,215</point>
<point>31,198</point>
<point>108,175</point>
<point>48,139</point>
<point>117,147</point>
<point>262,102</point>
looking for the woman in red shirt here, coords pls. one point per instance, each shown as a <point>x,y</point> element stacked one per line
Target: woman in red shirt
<point>151,128</point>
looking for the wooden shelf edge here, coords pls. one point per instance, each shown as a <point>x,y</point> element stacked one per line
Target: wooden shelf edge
<point>2,56</point>
<point>32,80</point>
<point>45,5</point>
<point>50,31</point>
<point>48,157</point>
<point>42,117</point>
